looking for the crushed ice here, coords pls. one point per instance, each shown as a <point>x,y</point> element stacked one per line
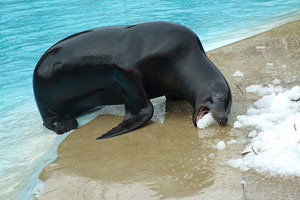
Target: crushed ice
<point>274,123</point>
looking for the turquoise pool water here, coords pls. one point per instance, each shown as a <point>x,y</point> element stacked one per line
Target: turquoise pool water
<point>29,28</point>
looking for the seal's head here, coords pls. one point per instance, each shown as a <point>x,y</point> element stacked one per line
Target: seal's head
<point>216,99</point>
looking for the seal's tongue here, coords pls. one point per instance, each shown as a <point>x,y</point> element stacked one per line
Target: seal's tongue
<point>203,111</point>
<point>204,117</point>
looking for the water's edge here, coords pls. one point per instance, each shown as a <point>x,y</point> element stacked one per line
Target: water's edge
<point>35,185</point>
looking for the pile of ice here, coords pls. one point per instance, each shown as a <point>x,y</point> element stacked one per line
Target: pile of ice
<point>274,126</point>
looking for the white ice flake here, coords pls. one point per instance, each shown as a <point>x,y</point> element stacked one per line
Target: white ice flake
<point>238,73</point>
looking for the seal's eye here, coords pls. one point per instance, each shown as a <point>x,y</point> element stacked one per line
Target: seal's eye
<point>209,99</point>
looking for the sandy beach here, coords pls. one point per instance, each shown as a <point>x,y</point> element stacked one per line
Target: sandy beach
<point>175,160</point>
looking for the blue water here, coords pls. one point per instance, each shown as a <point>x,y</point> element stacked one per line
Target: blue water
<point>29,28</point>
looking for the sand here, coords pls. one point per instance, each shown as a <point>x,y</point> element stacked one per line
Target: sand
<point>174,160</point>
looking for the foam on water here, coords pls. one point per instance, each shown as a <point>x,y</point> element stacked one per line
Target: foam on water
<point>29,28</point>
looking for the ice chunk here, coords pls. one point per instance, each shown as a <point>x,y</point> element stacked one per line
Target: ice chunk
<point>252,134</point>
<point>221,145</point>
<point>264,90</point>
<point>260,47</point>
<point>232,141</point>
<point>237,124</point>
<point>238,73</point>
<point>206,121</point>
<point>276,81</point>
<point>269,64</point>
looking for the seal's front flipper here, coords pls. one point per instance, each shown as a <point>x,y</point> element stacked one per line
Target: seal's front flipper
<point>173,98</point>
<point>138,107</point>
<point>131,122</point>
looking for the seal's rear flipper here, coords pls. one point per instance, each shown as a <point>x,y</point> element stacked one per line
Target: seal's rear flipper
<point>138,107</point>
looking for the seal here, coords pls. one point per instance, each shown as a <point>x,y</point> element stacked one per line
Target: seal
<point>127,65</point>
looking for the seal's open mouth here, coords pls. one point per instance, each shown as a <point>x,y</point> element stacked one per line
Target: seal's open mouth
<point>202,111</point>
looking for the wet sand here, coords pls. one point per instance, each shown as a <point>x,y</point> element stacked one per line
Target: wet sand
<point>174,160</point>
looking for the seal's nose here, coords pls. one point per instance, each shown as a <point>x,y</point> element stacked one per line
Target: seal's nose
<point>223,122</point>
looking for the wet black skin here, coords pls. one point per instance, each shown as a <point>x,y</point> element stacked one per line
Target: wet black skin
<point>127,65</point>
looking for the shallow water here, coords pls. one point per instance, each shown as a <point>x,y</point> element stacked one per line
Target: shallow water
<point>27,29</point>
